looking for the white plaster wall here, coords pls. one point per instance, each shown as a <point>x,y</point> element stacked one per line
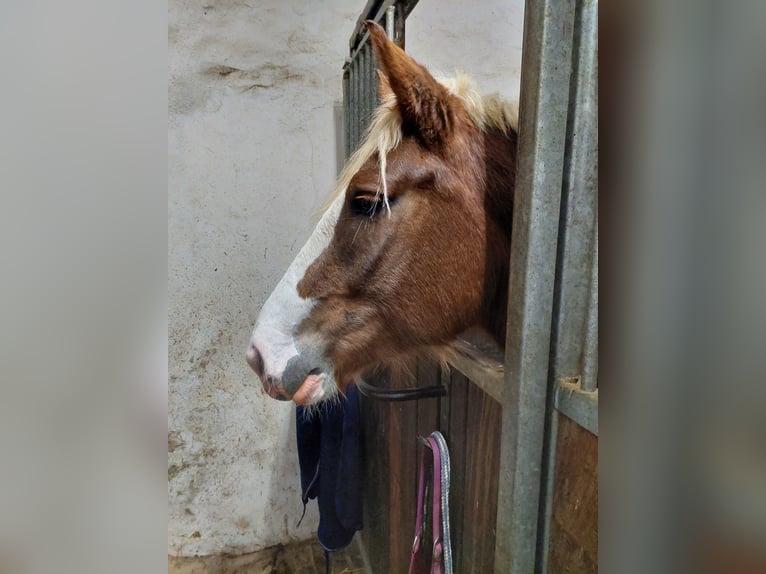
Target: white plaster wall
<point>481,39</point>
<point>252,88</point>
<point>253,92</point>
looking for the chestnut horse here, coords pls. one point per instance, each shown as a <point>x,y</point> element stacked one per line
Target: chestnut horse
<point>414,246</point>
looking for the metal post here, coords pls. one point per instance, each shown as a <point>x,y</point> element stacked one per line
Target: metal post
<point>355,101</point>
<point>590,360</point>
<point>546,66</point>
<point>365,73</point>
<point>346,110</point>
<point>579,210</point>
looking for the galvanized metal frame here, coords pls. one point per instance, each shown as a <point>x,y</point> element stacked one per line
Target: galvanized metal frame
<point>574,370</point>
<point>543,113</point>
<point>551,360</point>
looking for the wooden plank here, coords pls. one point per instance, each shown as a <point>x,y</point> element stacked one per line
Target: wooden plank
<point>402,476</point>
<point>428,409</point>
<point>479,358</point>
<point>458,413</point>
<point>427,422</point>
<point>482,459</point>
<point>444,402</point>
<point>488,455</point>
<point>573,545</point>
<point>374,535</point>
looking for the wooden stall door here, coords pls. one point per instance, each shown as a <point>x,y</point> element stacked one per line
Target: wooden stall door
<point>469,420</point>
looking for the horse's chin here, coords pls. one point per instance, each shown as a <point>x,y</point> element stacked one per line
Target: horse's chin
<point>313,389</point>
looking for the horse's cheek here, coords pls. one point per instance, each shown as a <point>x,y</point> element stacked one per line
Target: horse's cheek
<point>319,281</point>
<point>307,285</point>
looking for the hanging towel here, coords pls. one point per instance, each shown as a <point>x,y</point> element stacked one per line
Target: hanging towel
<point>330,458</point>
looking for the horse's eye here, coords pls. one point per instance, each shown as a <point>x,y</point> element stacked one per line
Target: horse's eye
<point>366,205</point>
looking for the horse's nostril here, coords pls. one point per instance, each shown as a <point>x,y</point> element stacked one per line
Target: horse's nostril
<point>255,360</point>
<point>270,380</point>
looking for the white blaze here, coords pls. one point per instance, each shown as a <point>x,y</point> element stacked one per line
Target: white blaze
<point>284,309</point>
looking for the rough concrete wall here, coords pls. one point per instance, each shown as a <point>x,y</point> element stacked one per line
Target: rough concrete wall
<point>252,154</point>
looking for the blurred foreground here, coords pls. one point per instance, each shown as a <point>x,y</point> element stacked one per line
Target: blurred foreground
<point>83,247</point>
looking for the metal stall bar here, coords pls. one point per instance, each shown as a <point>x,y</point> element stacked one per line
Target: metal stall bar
<point>366,85</point>
<point>545,78</point>
<point>590,364</point>
<point>574,337</point>
<point>346,115</point>
<point>576,330</point>
<point>353,103</point>
<point>579,203</point>
<point>357,100</point>
<point>361,96</point>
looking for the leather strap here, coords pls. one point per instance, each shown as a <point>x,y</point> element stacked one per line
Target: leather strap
<point>436,525</point>
<point>413,394</point>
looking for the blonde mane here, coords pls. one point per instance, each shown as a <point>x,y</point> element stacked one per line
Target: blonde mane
<point>385,130</point>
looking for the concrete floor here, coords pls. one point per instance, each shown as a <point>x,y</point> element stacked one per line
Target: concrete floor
<point>300,558</point>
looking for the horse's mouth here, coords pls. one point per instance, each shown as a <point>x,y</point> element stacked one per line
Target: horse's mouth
<point>311,389</point>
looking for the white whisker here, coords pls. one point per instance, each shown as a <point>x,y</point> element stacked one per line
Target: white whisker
<point>357,231</point>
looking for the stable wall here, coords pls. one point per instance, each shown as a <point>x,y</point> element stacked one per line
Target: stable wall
<point>253,140</point>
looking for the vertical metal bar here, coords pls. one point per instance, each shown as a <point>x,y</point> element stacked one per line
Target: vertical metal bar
<point>545,77</point>
<point>365,85</point>
<point>390,14</point>
<point>445,379</point>
<point>360,101</point>
<point>355,101</point>
<point>375,98</point>
<point>351,108</point>
<point>398,25</point>
<point>358,97</point>
<point>587,129</point>
<point>370,84</point>
<point>549,484</point>
<point>364,72</point>
<point>580,201</point>
<point>346,110</point>
<point>373,91</point>
<point>590,360</point>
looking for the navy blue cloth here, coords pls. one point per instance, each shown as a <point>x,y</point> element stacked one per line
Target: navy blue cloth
<point>330,458</point>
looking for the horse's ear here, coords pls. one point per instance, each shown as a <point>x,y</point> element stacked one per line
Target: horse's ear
<point>384,87</point>
<point>422,101</point>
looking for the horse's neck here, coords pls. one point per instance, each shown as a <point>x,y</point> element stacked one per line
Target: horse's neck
<point>500,154</point>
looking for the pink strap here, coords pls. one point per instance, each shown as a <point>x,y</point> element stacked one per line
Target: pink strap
<point>436,524</point>
<point>417,544</point>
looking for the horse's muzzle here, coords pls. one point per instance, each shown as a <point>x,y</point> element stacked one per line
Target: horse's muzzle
<point>302,380</point>
<point>270,383</point>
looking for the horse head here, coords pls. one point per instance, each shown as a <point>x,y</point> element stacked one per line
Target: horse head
<point>414,247</point>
